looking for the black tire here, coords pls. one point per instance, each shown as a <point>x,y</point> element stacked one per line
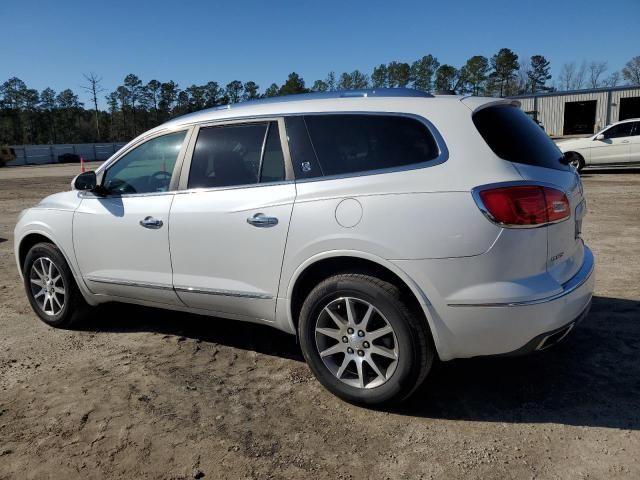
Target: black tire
<point>577,159</point>
<point>74,307</point>
<point>415,346</point>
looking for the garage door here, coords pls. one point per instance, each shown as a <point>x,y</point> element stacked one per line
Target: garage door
<point>579,117</point>
<point>629,108</point>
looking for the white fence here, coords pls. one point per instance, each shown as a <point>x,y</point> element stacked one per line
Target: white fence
<point>41,154</point>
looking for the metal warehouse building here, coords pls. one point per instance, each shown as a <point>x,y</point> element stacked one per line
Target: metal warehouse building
<point>581,112</point>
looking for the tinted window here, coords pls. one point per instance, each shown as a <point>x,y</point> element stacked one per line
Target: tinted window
<point>305,163</point>
<point>147,168</point>
<point>356,143</point>
<point>620,130</point>
<point>513,136</point>
<point>272,169</point>
<point>233,155</point>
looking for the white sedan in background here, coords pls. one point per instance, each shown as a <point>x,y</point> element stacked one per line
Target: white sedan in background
<point>617,145</point>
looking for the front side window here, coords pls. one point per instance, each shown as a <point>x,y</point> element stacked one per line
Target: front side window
<point>147,168</point>
<point>351,143</point>
<point>241,154</point>
<point>620,130</point>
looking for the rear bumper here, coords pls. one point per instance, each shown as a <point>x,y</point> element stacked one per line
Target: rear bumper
<point>508,328</point>
<point>548,339</point>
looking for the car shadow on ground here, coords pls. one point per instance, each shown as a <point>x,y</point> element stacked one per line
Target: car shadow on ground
<point>2,240</point>
<point>590,379</point>
<point>116,317</point>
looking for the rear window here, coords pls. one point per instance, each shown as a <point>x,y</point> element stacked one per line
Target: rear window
<point>351,143</point>
<point>515,137</point>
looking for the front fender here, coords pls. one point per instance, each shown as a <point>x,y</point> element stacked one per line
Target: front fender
<point>23,230</point>
<point>56,226</point>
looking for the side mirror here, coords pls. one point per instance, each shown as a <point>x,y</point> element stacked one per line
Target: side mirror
<point>600,136</point>
<point>85,181</point>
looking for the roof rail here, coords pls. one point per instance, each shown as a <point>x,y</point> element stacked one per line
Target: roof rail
<point>362,93</point>
<point>365,92</point>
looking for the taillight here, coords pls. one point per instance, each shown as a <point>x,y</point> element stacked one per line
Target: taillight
<point>557,204</point>
<point>524,205</point>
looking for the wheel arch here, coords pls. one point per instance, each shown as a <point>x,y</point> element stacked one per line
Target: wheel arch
<point>35,236</point>
<point>28,241</point>
<point>327,264</point>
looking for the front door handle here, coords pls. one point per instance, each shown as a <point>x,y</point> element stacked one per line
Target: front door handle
<point>150,222</point>
<point>261,220</point>
<point>624,141</point>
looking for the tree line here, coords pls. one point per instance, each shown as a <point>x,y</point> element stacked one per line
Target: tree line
<point>28,116</point>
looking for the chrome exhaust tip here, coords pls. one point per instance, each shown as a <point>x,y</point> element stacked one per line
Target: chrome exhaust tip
<point>554,338</point>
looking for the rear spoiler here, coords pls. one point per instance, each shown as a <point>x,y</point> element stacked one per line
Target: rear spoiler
<point>478,103</point>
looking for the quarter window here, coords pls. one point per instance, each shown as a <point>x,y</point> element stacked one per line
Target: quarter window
<point>351,143</point>
<point>513,136</point>
<point>147,168</point>
<point>237,155</point>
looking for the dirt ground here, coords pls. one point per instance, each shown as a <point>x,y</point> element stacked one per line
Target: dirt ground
<point>144,393</point>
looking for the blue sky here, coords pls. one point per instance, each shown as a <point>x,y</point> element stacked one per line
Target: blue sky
<point>51,43</point>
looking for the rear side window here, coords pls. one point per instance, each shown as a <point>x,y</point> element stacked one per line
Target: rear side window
<point>346,144</point>
<point>241,154</point>
<point>515,137</point>
<point>272,168</point>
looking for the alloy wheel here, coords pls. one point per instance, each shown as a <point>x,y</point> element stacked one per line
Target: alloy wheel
<point>356,342</point>
<point>47,286</point>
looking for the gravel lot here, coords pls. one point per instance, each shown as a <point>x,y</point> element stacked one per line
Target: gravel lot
<point>144,393</point>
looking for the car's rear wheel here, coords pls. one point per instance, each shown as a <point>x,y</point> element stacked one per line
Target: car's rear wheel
<point>362,341</point>
<point>51,288</point>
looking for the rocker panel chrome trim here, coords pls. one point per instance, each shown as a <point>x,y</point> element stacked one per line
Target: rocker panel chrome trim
<point>127,283</point>
<point>225,293</point>
<point>184,289</point>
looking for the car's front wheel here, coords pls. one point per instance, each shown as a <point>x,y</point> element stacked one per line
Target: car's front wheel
<point>362,341</point>
<point>51,288</point>
<point>576,160</point>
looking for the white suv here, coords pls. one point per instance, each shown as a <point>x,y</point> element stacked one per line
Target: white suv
<point>383,227</point>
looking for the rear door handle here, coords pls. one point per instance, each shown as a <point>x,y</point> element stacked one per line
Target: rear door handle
<point>261,220</point>
<point>150,222</point>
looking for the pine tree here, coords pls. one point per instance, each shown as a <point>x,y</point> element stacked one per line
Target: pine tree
<point>539,74</point>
